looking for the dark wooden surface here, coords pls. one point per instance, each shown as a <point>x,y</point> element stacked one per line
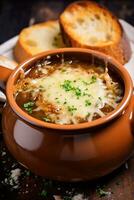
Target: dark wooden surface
<point>14,15</point>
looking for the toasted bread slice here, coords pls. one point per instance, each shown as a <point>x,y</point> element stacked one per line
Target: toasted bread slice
<point>38,38</point>
<point>86,24</point>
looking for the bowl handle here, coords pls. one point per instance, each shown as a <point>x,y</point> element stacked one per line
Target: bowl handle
<point>5,73</point>
<point>6,67</point>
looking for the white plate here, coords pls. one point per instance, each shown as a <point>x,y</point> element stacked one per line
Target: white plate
<point>6,49</point>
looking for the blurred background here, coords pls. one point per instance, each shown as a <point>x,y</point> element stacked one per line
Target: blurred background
<point>17,14</point>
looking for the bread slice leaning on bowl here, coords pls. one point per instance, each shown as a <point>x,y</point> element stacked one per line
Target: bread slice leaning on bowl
<point>38,38</point>
<point>86,24</point>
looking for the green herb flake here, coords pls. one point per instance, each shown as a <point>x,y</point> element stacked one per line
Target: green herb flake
<point>86,94</point>
<point>27,173</point>
<point>71,109</point>
<point>77,92</point>
<point>63,70</point>
<point>100,98</point>
<point>101,192</point>
<point>67,198</point>
<point>41,86</point>
<point>87,102</point>
<point>29,106</point>
<point>43,193</point>
<point>85,83</point>
<point>46,119</point>
<point>57,100</point>
<point>93,79</point>
<point>88,114</point>
<point>67,85</point>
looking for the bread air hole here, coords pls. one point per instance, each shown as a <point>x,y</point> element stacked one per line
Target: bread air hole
<point>80,21</point>
<point>97,16</point>
<point>108,37</point>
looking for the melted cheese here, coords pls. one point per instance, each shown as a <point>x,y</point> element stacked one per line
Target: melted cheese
<point>75,93</point>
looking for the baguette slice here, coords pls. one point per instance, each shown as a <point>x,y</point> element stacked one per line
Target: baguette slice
<point>86,24</point>
<point>38,38</point>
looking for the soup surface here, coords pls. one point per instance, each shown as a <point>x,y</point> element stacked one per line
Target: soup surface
<point>67,92</point>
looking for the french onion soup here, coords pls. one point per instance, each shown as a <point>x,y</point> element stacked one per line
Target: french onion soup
<point>65,91</point>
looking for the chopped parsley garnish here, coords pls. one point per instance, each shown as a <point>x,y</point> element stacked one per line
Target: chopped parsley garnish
<point>85,83</point>
<point>43,193</point>
<point>101,192</point>
<point>63,70</point>
<point>87,102</point>
<point>46,119</point>
<point>28,173</point>
<point>93,79</point>
<point>29,106</point>
<point>57,100</point>
<point>100,98</point>
<point>67,85</point>
<point>86,94</point>
<point>71,109</point>
<point>88,114</point>
<point>77,91</point>
<point>41,86</point>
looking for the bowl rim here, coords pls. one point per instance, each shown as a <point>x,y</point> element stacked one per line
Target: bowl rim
<point>122,72</point>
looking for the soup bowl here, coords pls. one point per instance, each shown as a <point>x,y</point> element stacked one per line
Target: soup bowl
<point>73,152</point>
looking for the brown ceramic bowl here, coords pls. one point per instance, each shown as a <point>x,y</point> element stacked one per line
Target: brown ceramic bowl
<point>79,152</point>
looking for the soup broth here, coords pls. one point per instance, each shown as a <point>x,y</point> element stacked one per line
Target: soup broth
<point>68,91</point>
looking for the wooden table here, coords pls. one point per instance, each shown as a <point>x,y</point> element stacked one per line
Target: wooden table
<point>117,186</point>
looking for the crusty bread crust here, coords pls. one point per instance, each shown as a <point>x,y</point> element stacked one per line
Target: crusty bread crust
<point>115,45</point>
<point>27,44</point>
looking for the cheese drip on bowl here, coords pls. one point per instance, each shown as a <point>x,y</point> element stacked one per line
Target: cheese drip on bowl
<point>67,94</point>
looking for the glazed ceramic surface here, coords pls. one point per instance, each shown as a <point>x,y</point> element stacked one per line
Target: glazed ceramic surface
<point>79,152</point>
